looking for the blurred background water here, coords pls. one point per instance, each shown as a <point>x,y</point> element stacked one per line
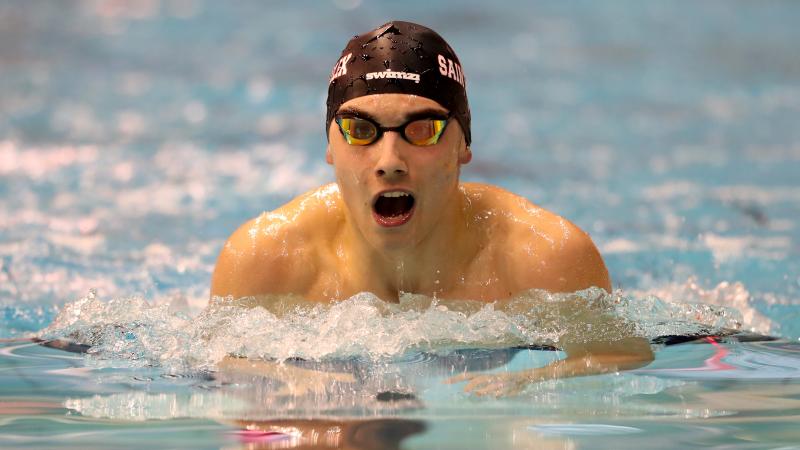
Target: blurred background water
<point>136,135</point>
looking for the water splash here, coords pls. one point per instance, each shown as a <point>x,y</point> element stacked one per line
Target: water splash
<point>137,333</point>
<point>732,295</point>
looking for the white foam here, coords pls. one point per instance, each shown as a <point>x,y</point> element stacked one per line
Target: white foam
<point>732,295</point>
<point>163,333</point>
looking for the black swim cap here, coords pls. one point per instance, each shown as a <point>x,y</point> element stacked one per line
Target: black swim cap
<point>400,57</point>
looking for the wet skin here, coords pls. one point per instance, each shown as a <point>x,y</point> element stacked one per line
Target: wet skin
<point>462,240</point>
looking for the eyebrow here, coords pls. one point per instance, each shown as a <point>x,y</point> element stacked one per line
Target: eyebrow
<point>423,113</point>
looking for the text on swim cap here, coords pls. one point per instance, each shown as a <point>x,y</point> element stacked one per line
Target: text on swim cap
<point>340,68</point>
<point>451,69</point>
<point>391,74</point>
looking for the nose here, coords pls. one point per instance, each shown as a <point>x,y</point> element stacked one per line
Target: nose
<point>390,163</point>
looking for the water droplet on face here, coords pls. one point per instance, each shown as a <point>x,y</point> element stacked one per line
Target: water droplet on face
<point>365,57</point>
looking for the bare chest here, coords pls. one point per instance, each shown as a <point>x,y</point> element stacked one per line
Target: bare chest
<point>483,277</point>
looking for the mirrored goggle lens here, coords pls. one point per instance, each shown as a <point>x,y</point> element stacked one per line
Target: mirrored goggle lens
<point>424,131</point>
<point>357,131</point>
<point>418,132</point>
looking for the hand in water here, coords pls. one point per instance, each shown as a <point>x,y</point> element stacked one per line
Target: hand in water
<point>593,359</point>
<point>495,385</point>
<point>297,381</point>
<point>300,382</point>
<point>596,342</point>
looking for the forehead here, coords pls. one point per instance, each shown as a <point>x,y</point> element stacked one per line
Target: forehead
<point>390,107</point>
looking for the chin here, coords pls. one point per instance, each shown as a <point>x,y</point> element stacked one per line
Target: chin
<point>393,239</point>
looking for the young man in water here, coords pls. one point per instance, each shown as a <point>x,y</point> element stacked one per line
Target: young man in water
<point>399,220</point>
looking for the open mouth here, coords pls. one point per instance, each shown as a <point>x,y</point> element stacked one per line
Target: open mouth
<point>393,208</point>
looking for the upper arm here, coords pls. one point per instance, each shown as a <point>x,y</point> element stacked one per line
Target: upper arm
<point>559,257</point>
<point>253,262</point>
<point>584,264</point>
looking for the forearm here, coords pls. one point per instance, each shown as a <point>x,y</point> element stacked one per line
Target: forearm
<point>297,380</point>
<point>589,364</point>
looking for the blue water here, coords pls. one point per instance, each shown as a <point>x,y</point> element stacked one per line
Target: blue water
<point>135,136</point>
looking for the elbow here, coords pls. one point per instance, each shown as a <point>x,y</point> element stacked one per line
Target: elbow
<point>642,356</point>
<point>638,361</point>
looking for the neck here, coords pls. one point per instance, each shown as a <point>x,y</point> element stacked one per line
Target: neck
<point>427,265</point>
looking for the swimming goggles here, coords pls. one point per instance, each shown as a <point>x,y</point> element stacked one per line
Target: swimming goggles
<point>417,131</point>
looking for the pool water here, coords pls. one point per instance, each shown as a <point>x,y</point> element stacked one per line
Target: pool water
<point>136,136</point>
<point>702,394</point>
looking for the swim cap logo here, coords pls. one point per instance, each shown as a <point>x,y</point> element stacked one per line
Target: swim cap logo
<point>451,69</point>
<point>340,68</point>
<point>392,74</point>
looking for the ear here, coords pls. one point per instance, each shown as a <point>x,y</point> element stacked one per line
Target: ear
<point>328,155</point>
<point>465,155</point>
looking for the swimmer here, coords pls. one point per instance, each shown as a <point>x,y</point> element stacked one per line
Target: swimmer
<point>398,219</point>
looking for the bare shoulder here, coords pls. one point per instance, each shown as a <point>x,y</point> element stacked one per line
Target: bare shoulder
<point>540,249</point>
<point>277,252</point>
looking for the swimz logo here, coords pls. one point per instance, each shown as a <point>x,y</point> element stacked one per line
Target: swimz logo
<point>340,68</point>
<point>451,69</point>
<point>391,74</point>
